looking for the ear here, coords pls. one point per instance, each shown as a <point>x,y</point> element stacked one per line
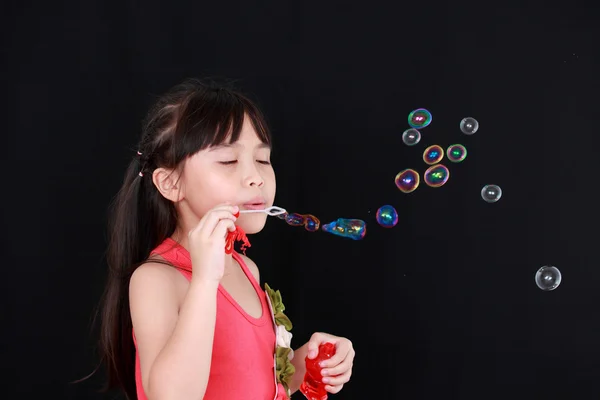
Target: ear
<point>168,184</point>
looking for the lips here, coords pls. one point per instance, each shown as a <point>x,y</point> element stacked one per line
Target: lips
<point>256,203</point>
<point>254,206</point>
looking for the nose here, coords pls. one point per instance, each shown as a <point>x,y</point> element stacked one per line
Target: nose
<point>253,178</point>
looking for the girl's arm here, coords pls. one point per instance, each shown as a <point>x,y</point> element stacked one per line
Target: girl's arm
<point>174,343</point>
<point>299,364</point>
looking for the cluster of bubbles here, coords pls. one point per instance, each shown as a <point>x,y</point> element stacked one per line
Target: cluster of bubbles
<point>351,228</point>
<point>436,175</point>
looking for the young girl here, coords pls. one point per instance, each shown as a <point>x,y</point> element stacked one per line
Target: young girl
<point>182,319</point>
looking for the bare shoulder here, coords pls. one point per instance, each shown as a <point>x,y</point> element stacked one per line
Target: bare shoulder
<point>153,274</point>
<point>252,267</point>
<point>157,279</point>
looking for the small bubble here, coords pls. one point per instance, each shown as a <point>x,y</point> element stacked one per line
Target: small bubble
<point>408,180</point>
<point>387,216</point>
<point>469,126</point>
<point>419,118</point>
<point>491,193</point>
<point>548,278</point>
<point>312,223</point>
<point>436,175</point>
<point>295,219</point>
<point>411,136</point>
<point>456,153</point>
<point>433,154</point>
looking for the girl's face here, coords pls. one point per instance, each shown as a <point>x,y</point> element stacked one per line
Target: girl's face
<point>240,174</point>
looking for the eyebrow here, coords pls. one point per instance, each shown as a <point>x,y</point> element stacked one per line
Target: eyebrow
<point>237,145</point>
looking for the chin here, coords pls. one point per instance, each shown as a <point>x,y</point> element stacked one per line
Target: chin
<point>252,225</point>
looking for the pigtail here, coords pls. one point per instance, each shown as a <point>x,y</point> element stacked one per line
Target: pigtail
<point>128,247</point>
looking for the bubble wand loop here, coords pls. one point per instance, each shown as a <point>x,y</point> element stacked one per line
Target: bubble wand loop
<point>271,211</point>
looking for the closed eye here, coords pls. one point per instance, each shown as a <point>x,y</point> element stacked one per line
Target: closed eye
<point>228,162</point>
<point>264,162</point>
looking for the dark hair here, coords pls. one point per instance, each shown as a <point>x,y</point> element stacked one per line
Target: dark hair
<point>191,117</point>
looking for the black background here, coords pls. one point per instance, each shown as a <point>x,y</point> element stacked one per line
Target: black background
<point>444,305</point>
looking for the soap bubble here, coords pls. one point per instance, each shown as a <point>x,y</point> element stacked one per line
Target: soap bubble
<point>411,136</point>
<point>469,126</point>
<point>491,193</point>
<point>387,216</point>
<point>456,153</point>
<point>354,229</point>
<point>408,180</point>
<point>312,223</point>
<point>548,278</point>
<point>295,219</point>
<point>436,175</point>
<point>419,118</point>
<point>433,154</point>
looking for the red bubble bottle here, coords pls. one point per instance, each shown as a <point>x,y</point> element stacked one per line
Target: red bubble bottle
<point>312,387</point>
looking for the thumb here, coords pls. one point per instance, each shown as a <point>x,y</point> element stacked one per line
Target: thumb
<point>313,345</point>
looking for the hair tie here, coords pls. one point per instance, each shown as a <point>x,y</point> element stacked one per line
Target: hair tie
<point>139,153</point>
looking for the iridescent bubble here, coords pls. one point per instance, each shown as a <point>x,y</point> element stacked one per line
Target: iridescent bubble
<point>355,229</point>
<point>408,180</point>
<point>411,136</point>
<point>387,216</point>
<point>295,219</point>
<point>491,193</point>
<point>433,154</point>
<point>548,278</point>
<point>436,175</point>
<point>419,118</point>
<point>282,216</point>
<point>456,153</point>
<point>469,125</point>
<point>311,223</point>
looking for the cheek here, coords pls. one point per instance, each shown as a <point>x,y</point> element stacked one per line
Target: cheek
<point>271,183</point>
<point>208,190</point>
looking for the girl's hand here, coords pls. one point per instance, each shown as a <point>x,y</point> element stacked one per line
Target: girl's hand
<point>207,243</point>
<point>338,369</point>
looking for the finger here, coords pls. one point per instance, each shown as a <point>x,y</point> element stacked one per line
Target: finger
<point>338,380</point>
<point>212,219</point>
<point>315,341</point>
<point>342,352</point>
<point>207,217</point>
<point>223,227</point>
<point>333,389</point>
<point>340,369</point>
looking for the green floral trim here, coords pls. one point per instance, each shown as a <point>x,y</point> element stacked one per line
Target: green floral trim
<point>284,369</point>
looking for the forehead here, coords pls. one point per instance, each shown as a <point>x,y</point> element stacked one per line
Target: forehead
<point>248,134</point>
<point>247,140</point>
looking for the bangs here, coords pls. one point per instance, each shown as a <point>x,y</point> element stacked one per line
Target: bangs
<point>215,117</point>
